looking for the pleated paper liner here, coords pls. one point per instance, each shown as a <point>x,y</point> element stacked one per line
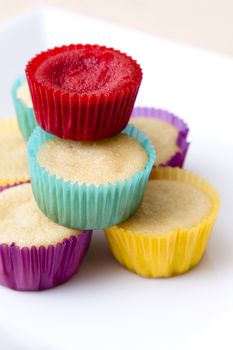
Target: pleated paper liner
<point>80,116</point>
<point>176,160</point>
<point>36,268</point>
<point>4,184</point>
<point>25,115</point>
<point>6,125</point>
<point>87,207</point>
<point>42,268</point>
<point>164,255</point>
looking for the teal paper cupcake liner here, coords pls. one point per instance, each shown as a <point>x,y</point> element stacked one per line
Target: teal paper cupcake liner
<point>82,206</point>
<point>25,115</point>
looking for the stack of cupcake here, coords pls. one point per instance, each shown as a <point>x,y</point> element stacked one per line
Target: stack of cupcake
<point>89,170</point>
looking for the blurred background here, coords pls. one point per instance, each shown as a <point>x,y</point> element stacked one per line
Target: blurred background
<point>204,23</point>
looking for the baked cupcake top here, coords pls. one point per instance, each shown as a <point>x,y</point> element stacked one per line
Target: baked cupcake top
<point>23,94</point>
<point>167,206</point>
<point>13,154</point>
<point>84,69</point>
<point>162,134</point>
<point>102,162</point>
<point>22,223</point>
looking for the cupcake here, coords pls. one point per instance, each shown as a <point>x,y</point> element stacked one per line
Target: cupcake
<point>23,107</point>
<point>169,233</point>
<point>167,132</point>
<point>90,184</point>
<point>13,154</point>
<point>35,253</point>
<point>83,92</point>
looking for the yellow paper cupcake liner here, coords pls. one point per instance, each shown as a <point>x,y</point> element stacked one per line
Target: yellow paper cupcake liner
<point>6,125</point>
<point>164,255</point>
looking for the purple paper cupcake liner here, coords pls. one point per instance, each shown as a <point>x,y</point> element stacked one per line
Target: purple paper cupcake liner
<point>13,185</point>
<point>32,268</point>
<point>177,160</point>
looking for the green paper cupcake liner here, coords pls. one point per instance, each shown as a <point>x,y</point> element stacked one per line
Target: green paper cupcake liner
<point>88,207</point>
<point>25,115</point>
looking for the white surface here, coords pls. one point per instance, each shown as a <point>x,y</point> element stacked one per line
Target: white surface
<point>104,306</point>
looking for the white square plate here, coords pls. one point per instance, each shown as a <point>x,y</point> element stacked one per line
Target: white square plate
<point>104,306</point>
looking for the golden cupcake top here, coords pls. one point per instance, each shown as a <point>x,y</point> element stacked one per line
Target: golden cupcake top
<point>162,134</point>
<point>169,205</point>
<point>13,153</point>
<point>102,162</point>
<point>23,94</point>
<point>22,222</point>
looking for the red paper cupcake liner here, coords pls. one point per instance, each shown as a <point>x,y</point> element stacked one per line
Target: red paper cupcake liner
<point>177,160</point>
<point>36,268</point>
<point>77,116</point>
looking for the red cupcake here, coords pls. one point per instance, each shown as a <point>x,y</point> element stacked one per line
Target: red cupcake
<point>83,92</point>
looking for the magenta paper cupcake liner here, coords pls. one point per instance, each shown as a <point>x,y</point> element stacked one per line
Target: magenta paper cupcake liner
<point>177,160</point>
<point>13,185</point>
<point>32,268</point>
